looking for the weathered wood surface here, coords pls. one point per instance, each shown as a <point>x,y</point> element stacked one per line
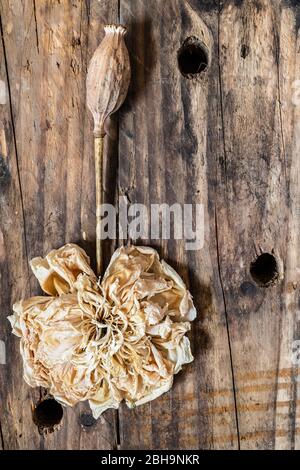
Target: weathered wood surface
<point>47,46</point>
<point>229,140</point>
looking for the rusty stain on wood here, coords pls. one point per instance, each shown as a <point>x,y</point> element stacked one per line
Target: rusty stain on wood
<point>253,436</point>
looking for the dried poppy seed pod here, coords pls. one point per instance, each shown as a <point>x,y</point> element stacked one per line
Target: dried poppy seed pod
<point>108,77</point>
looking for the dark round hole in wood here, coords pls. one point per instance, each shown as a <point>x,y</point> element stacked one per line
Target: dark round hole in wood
<point>264,270</point>
<point>248,289</point>
<point>245,51</point>
<point>87,419</point>
<point>192,57</point>
<point>48,413</point>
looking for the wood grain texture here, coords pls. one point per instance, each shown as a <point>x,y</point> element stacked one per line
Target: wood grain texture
<point>228,140</point>
<point>48,45</point>
<point>14,417</point>
<point>163,148</point>
<point>254,212</point>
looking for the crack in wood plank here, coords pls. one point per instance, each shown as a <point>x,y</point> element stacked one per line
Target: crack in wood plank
<point>15,144</point>
<point>277,53</point>
<point>36,27</point>
<point>88,10</point>
<point>228,332</point>
<point>217,236</point>
<point>1,438</point>
<point>221,94</point>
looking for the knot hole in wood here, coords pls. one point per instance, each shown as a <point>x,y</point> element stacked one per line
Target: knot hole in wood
<point>265,270</point>
<point>47,415</point>
<point>192,57</point>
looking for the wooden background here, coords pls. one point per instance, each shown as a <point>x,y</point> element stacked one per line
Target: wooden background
<point>229,140</point>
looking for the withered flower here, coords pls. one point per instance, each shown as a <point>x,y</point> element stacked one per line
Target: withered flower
<point>123,339</point>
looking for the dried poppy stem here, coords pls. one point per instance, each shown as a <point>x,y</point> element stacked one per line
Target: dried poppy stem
<point>99,145</point>
<point>107,85</point>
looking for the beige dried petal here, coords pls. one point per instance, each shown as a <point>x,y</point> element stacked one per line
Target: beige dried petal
<point>164,387</point>
<point>58,272</point>
<point>104,399</point>
<point>153,312</point>
<point>181,354</point>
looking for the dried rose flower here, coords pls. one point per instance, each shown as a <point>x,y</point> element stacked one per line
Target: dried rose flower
<point>121,340</point>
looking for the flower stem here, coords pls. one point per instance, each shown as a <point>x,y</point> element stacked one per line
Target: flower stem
<point>99,144</point>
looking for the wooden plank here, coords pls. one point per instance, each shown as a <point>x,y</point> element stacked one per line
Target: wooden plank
<point>167,130</point>
<point>47,47</point>
<point>14,417</point>
<point>288,76</point>
<point>258,211</point>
